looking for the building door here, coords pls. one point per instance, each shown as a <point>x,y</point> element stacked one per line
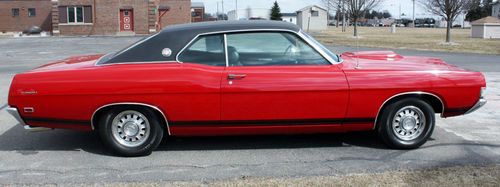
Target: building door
<point>126,20</point>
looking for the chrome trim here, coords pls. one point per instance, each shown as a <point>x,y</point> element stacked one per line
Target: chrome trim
<point>36,129</point>
<point>225,50</point>
<point>130,103</point>
<point>480,103</point>
<point>318,49</point>
<point>297,33</point>
<point>407,93</point>
<point>13,111</point>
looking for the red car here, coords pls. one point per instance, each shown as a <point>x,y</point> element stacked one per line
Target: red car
<point>241,78</point>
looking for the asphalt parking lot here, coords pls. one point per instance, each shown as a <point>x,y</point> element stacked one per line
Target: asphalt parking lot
<point>62,156</point>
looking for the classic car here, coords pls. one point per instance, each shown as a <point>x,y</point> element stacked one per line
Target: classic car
<point>241,78</point>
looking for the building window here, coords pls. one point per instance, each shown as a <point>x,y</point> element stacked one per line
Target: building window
<point>15,12</point>
<point>75,14</point>
<point>314,13</point>
<point>31,12</point>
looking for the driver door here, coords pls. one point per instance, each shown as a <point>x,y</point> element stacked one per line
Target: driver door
<point>276,78</point>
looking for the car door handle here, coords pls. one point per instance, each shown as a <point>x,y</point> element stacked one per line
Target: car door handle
<point>236,76</point>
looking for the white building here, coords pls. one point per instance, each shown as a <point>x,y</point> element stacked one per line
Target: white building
<point>488,28</point>
<point>289,17</point>
<point>495,9</point>
<point>312,18</point>
<point>249,13</point>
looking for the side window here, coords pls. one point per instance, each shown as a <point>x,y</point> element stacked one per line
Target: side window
<point>207,50</point>
<point>271,49</point>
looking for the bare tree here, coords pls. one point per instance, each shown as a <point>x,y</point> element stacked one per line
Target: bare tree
<point>448,9</point>
<point>339,5</point>
<point>358,8</point>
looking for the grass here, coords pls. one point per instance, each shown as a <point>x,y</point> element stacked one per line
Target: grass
<point>428,39</point>
<point>452,176</point>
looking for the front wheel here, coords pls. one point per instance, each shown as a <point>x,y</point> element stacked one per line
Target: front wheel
<point>406,124</point>
<point>133,131</point>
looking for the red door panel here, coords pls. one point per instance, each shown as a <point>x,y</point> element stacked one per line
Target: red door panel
<point>285,93</point>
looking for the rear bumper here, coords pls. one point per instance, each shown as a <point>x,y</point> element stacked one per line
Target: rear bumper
<point>478,105</point>
<point>13,111</point>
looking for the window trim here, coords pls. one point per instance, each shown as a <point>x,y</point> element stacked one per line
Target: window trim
<point>76,20</point>
<point>12,12</point>
<point>34,12</point>
<point>299,34</point>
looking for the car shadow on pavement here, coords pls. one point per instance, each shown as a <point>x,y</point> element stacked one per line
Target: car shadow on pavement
<point>18,139</point>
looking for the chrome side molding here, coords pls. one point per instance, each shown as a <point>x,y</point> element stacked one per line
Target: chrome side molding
<point>36,129</point>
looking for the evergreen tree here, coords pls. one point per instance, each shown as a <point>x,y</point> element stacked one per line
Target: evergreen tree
<point>479,9</point>
<point>276,12</point>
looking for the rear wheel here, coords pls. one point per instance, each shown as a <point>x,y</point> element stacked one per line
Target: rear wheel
<point>406,124</point>
<point>131,131</point>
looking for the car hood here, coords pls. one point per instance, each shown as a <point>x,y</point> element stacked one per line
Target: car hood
<point>74,62</point>
<point>389,60</point>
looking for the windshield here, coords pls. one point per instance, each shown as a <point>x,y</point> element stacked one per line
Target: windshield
<point>322,47</point>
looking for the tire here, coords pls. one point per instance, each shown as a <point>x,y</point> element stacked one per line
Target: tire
<point>406,124</point>
<point>131,131</point>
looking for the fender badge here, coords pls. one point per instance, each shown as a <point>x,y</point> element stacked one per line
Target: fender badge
<point>28,92</point>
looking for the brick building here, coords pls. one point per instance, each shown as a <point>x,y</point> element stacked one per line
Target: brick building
<point>95,17</point>
<point>18,15</point>
<point>197,12</point>
<point>117,17</point>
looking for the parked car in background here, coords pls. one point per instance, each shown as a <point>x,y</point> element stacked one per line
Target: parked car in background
<point>241,78</point>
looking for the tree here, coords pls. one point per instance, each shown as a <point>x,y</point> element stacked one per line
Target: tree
<point>448,9</point>
<point>276,12</point>
<point>478,9</point>
<point>358,8</point>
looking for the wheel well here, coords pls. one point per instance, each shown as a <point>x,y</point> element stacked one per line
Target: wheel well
<point>436,103</point>
<point>101,111</point>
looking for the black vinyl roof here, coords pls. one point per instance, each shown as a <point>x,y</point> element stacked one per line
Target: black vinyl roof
<point>176,37</point>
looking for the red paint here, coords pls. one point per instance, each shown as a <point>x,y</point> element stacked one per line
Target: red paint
<point>72,89</point>
<point>127,20</point>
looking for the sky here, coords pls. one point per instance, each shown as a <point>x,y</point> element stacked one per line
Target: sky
<point>288,6</point>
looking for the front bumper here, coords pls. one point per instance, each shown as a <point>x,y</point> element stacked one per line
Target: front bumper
<point>479,104</point>
<point>13,111</point>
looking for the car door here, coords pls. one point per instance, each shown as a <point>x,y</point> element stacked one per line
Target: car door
<point>198,81</point>
<point>277,78</point>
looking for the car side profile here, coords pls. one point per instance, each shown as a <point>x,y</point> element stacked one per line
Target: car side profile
<point>241,78</point>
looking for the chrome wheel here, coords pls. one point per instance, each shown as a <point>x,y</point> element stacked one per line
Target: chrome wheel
<point>130,128</point>
<point>408,123</point>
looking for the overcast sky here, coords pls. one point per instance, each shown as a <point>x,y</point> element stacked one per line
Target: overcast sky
<point>293,5</point>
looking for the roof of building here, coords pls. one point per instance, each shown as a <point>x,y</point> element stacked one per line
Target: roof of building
<point>197,5</point>
<point>175,37</point>
<point>307,8</point>
<point>289,14</point>
<point>489,19</point>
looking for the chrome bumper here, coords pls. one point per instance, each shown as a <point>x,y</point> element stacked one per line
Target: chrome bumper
<point>478,105</point>
<point>13,111</point>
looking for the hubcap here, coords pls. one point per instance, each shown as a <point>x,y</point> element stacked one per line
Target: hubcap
<point>408,123</point>
<point>130,128</point>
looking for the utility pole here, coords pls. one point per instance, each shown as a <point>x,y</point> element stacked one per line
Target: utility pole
<point>413,13</point>
<point>236,11</point>
<point>223,16</point>
<point>217,11</point>
<point>343,16</point>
